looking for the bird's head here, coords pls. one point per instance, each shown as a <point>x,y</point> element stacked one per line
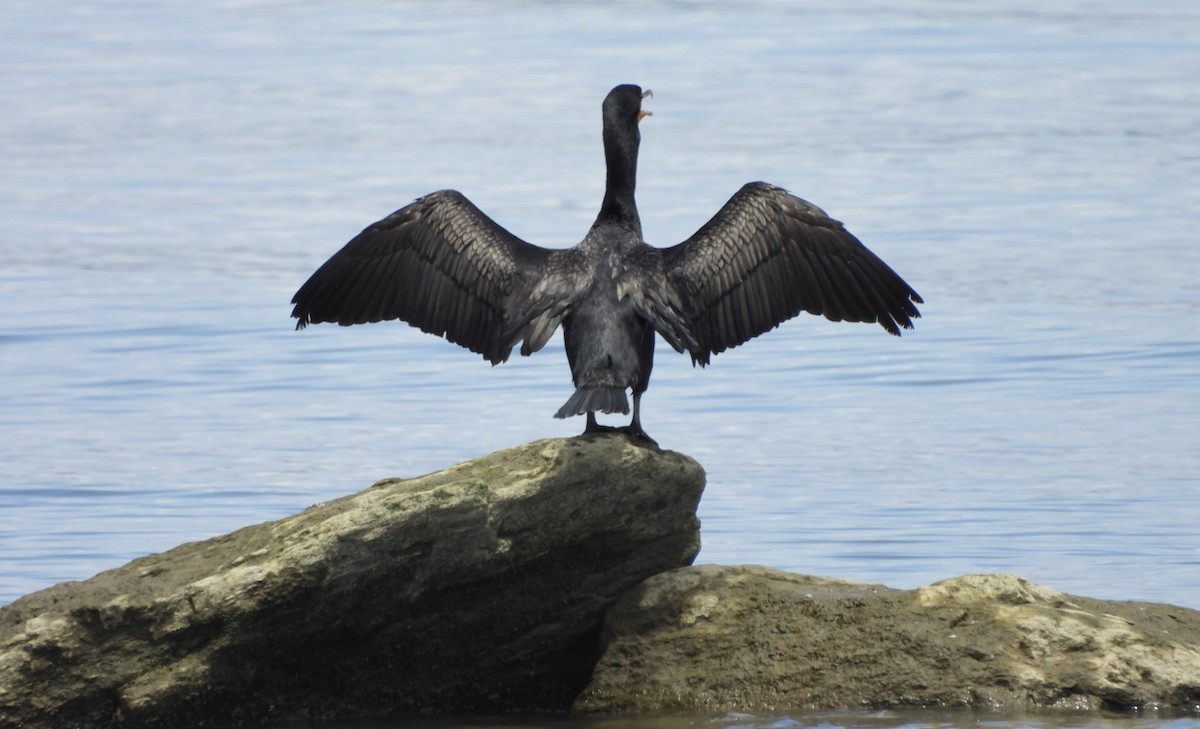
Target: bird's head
<point>623,105</point>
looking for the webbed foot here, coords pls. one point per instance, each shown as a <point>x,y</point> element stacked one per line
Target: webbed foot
<point>633,431</point>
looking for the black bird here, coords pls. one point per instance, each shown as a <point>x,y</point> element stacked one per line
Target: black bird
<point>441,265</point>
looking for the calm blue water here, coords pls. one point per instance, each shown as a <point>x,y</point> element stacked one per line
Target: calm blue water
<point>172,172</point>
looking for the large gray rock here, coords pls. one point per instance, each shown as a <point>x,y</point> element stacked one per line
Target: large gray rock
<point>476,589</point>
<point>711,638</point>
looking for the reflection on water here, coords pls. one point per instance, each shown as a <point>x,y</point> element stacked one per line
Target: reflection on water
<point>173,172</point>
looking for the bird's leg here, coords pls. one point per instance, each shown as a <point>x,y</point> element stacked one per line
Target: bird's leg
<point>634,429</point>
<point>594,427</point>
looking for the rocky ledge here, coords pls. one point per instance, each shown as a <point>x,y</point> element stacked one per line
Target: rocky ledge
<point>550,577</point>
<point>712,638</point>
<point>480,588</point>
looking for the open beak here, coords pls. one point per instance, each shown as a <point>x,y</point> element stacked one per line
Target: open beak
<point>642,113</point>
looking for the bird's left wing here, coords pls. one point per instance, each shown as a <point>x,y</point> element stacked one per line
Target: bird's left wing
<point>439,264</point>
<point>768,255</point>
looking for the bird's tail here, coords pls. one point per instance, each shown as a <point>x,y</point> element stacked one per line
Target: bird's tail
<point>595,399</point>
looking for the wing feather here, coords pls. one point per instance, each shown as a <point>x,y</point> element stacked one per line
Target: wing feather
<point>765,257</point>
<point>439,264</point>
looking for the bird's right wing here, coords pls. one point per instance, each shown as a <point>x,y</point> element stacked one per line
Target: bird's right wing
<point>768,255</point>
<point>439,264</point>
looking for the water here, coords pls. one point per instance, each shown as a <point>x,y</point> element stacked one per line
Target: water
<point>172,172</point>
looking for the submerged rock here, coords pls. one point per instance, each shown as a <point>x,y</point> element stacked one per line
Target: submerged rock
<point>480,588</point>
<point>711,638</point>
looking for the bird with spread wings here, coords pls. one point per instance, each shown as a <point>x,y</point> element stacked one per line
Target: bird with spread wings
<point>442,265</point>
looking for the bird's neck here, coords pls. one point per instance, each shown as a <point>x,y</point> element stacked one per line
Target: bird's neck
<point>620,156</point>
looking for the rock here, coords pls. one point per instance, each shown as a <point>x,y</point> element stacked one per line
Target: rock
<point>711,638</point>
<point>480,588</point>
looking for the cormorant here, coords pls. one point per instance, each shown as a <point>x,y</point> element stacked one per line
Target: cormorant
<point>444,266</point>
